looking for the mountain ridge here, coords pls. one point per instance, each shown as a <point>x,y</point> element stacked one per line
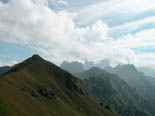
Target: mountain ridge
<point>36,87</point>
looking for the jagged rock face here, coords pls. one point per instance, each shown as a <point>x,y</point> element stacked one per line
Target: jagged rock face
<point>130,68</point>
<point>46,92</point>
<point>73,67</point>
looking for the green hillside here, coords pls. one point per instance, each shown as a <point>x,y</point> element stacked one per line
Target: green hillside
<point>37,87</point>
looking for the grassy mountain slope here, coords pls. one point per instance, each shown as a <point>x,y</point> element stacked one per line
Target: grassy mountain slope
<point>37,87</point>
<point>116,93</point>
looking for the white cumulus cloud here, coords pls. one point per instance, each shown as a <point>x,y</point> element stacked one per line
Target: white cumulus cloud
<point>56,36</point>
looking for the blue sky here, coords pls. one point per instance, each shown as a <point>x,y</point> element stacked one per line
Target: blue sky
<point>122,31</point>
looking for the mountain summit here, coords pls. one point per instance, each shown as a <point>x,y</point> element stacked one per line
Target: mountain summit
<point>36,87</point>
<point>126,68</point>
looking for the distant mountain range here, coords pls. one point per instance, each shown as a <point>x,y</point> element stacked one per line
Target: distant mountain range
<point>76,67</point>
<point>73,67</point>
<point>148,71</point>
<point>102,64</point>
<point>116,93</point>
<point>36,87</point>
<point>133,77</point>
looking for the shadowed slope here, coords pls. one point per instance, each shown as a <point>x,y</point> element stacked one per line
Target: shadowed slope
<point>137,79</point>
<point>116,93</point>
<point>4,69</point>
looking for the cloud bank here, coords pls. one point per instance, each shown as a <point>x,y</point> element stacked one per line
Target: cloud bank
<point>57,37</point>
